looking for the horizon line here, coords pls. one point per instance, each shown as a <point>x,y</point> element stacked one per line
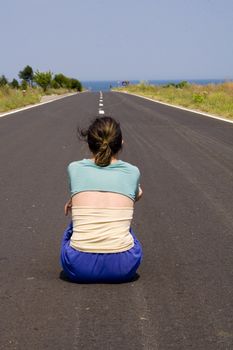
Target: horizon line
<point>158,79</point>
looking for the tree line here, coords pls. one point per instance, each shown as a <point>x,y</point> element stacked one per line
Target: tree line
<point>43,79</point>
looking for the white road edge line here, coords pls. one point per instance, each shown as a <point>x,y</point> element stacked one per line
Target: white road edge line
<point>36,105</point>
<point>179,107</point>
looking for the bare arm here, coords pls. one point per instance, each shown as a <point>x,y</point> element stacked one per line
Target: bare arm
<point>140,193</point>
<point>68,207</point>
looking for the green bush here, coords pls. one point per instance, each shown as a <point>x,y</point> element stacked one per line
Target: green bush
<point>24,85</point>
<point>66,82</point>
<point>75,84</point>
<point>54,84</point>
<point>182,84</point>
<point>198,98</point>
<point>43,79</point>
<point>3,80</point>
<point>14,84</point>
<point>169,85</point>
<point>62,80</point>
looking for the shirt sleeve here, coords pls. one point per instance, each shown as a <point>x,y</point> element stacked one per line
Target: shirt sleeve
<point>69,178</point>
<point>138,183</point>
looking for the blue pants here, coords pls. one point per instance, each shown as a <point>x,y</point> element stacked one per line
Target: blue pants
<point>99,267</point>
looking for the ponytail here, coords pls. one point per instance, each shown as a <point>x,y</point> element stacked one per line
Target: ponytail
<point>104,139</point>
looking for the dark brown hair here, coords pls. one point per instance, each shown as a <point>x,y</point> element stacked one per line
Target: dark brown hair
<point>104,139</point>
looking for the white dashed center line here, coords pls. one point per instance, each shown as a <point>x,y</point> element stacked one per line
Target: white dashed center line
<point>101,104</point>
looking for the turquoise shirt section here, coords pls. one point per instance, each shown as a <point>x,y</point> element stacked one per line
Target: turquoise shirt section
<point>120,177</point>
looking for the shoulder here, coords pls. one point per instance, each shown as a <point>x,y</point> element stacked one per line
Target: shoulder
<point>133,168</point>
<point>76,164</point>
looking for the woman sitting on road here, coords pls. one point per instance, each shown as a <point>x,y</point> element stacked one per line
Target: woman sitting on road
<point>99,244</point>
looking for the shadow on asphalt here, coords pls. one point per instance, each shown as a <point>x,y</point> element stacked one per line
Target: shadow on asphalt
<point>63,277</point>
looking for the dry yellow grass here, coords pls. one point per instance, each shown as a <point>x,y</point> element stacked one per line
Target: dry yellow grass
<point>16,98</point>
<point>212,98</point>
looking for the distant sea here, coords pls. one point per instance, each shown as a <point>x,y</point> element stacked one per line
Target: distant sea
<point>105,85</point>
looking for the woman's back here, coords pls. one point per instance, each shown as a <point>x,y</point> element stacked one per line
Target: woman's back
<point>102,205</point>
<point>115,184</point>
<point>99,199</point>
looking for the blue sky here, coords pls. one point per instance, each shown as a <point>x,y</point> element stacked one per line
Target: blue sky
<point>118,39</point>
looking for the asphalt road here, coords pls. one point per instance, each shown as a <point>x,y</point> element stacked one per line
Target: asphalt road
<point>184,296</point>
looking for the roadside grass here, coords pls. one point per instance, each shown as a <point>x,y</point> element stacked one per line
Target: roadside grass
<point>59,91</point>
<point>212,98</point>
<point>15,98</point>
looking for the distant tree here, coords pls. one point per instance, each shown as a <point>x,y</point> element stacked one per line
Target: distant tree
<point>24,85</point>
<point>3,80</point>
<point>179,85</point>
<point>54,84</point>
<point>169,85</point>
<point>62,80</point>
<point>27,74</point>
<point>43,79</point>
<point>14,84</point>
<point>75,84</point>
<point>182,84</point>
